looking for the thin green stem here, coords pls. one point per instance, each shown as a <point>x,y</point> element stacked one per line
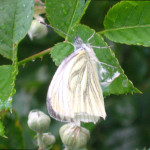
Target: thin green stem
<point>102,32</point>
<point>33,57</point>
<point>39,140</point>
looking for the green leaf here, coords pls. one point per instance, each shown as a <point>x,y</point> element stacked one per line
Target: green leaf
<point>2,132</point>
<point>7,82</point>
<point>13,132</point>
<point>65,15</point>
<point>15,20</point>
<point>60,51</point>
<point>128,22</point>
<point>110,84</point>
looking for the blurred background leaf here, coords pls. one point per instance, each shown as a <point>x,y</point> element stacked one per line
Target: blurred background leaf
<point>13,130</point>
<point>2,132</point>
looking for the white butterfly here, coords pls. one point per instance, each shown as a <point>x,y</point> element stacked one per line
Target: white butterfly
<point>75,93</point>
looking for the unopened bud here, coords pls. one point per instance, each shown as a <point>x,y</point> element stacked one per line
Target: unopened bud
<point>48,139</point>
<point>74,136</point>
<point>38,121</point>
<point>37,30</point>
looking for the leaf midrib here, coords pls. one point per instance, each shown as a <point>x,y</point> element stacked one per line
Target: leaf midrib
<point>123,28</point>
<point>72,18</point>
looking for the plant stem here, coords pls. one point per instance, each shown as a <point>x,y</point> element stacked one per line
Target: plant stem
<point>22,62</point>
<point>39,141</point>
<point>102,32</point>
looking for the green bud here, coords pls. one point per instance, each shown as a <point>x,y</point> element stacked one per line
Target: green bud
<point>37,30</point>
<point>74,136</point>
<point>38,121</point>
<point>48,139</point>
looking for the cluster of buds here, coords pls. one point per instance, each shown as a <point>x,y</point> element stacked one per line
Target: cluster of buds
<point>72,135</point>
<point>39,122</point>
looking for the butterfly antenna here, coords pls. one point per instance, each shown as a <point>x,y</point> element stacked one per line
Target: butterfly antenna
<point>55,29</point>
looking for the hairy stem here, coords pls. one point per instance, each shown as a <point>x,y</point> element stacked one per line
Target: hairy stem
<point>33,57</point>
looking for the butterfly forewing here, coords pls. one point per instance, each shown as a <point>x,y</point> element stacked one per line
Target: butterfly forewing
<point>75,93</point>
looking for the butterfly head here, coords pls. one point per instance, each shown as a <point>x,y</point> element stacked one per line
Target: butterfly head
<point>78,42</point>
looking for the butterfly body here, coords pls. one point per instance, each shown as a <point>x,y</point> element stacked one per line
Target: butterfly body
<point>75,94</point>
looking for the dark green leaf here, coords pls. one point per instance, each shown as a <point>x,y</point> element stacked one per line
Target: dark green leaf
<point>110,84</point>
<point>7,81</point>
<point>65,15</point>
<point>128,22</point>
<point>15,20</point>
<point>13,132</point>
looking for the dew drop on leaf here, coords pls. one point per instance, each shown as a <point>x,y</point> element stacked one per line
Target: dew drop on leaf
<point>10,99</point>
<point>138,43</point>
<point>33,60</point>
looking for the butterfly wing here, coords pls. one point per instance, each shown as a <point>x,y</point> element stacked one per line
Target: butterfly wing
<point>75,93</point>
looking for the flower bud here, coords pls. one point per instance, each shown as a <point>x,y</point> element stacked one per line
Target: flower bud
<point>48,139</point>
<point>37,30</point>
<point>74,136</point>
<point>38,121</point>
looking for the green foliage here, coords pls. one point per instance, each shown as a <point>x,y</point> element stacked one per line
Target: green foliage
<point>128,22</point>
<point>7,82</point>
<point>121,84</point>
<point>13,131</point>
<point>12,30</point>
<point>65,15</point>
<point>15,20</point>
<point>60,51</point>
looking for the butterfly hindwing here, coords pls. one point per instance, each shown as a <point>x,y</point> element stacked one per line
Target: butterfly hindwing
<point>75,93</point>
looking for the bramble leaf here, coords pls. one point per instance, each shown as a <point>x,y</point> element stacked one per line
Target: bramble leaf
<point>15,20</point>
<point>65,15</point>
<point>7,82</point>
<point>114,80</point>
<point>128,22</point>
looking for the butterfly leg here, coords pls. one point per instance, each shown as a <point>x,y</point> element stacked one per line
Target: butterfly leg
<point>91,37</point>
<point>101,47</point>
<point>106,64</point>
